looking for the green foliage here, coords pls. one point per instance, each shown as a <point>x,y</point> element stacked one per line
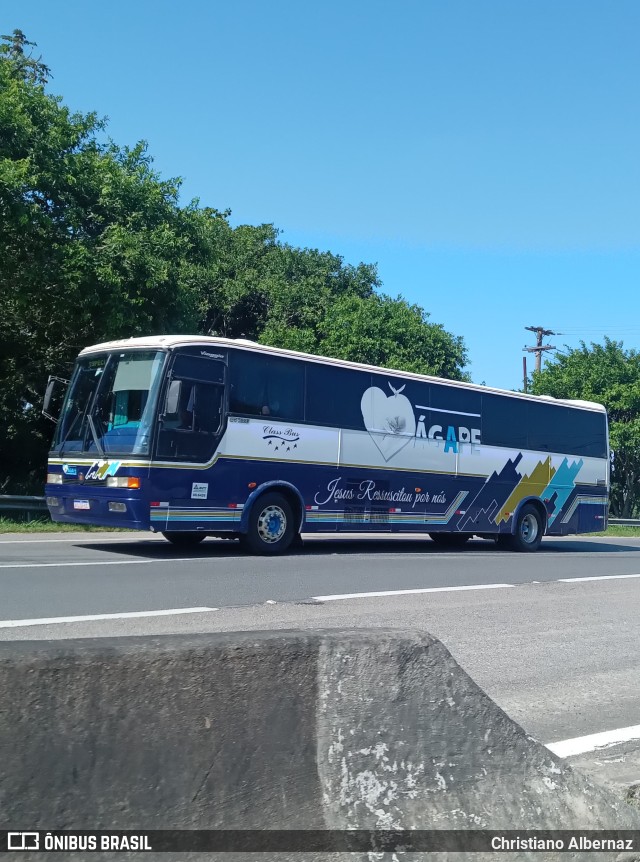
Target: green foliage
<point>22,64</point>
<point>610,375</point>
<point>95,245</point>
<point>384,331</point>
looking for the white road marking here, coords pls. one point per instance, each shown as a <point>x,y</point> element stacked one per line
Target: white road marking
<point>595,578</point>
<point>46,621</point>
<point>84,537</point>
<point>91,563</point>
<point>383,593</point>
<point>337,598</point>
<point>582,744</point>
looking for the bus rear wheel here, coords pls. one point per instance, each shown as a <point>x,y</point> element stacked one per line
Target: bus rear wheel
<point>271,527</point>
<point>529,529</point>
<point>450,540</point>
<point>185,538</point>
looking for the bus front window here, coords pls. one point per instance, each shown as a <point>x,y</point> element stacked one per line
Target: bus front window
<point>111,403</point>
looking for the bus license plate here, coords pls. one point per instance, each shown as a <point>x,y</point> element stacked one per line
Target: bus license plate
<point>81,504</point>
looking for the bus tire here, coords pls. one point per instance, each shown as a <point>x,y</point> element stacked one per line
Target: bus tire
<point>185,538</point>
<point>528,531</point>
<point>450,540</point>
<point>271,527</point>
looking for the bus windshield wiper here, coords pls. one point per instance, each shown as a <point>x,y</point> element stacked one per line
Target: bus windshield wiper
<point>94,434</point>
<point>72,425</point>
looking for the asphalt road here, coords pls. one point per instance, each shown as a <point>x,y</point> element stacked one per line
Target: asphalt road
<point>57,575</point>
<point>553,637</point>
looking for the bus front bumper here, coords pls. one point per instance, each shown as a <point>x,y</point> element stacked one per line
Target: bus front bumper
<point>97,507</point>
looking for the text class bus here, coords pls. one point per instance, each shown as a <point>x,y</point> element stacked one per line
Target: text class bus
<point>194,436</point>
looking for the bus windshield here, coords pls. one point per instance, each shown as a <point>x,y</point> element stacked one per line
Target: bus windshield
<point>110,405</point>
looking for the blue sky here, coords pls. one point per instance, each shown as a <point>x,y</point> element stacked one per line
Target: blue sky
<point>485,155</point>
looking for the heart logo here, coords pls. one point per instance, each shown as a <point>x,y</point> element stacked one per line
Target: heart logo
<point>390,420</point>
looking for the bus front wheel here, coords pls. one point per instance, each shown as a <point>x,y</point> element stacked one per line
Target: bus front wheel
<point>271,527</point>
<point>185,538</point>
<point>529,529</point>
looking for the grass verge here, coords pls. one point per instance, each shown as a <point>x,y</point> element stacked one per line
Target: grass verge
<point>628,532</point>
<point>44,525</point>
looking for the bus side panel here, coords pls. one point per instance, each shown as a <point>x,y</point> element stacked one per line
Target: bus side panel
<point>585,511</point>
<point>349,481</point>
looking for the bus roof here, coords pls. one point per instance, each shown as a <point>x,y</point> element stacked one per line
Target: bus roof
<point>168,342</point>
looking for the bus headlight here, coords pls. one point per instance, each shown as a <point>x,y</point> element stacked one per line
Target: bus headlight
<point>54,478</point>
<point>123,482</point>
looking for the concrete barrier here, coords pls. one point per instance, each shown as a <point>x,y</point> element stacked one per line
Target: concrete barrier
<point>278,730</point>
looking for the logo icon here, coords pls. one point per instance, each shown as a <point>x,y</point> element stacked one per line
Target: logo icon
<point>389,419</point>
<point>281,440</point>
<point>23,841</point>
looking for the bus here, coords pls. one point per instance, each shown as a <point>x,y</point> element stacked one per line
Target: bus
<point>194,436</point>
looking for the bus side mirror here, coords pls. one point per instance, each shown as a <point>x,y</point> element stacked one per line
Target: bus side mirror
<point>53,397</point>
<point>172,402</point>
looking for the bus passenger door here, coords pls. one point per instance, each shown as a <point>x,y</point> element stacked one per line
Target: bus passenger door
<point>191,424</point>
<point>189,430</point>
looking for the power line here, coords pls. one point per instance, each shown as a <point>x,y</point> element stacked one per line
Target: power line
<point>575,331</point>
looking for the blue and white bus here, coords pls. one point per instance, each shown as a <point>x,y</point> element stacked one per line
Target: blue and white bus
<point>196,436</point>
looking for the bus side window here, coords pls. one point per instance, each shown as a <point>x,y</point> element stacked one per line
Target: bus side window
<point>334,395</point>
<point>262,386</point>
<point>247,384</point>
<point>205,406</point>
<point>504,421</point>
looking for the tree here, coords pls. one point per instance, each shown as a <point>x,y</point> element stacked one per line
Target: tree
<point>23,64</point>
<point>95,246</point>
<point>380,330</point>
<point>308,300</point>
<point>610,375</point>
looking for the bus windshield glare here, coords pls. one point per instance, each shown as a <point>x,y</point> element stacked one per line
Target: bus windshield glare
<point>110,405</point>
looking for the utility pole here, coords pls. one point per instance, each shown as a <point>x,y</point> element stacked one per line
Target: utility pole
<point>541,333</point>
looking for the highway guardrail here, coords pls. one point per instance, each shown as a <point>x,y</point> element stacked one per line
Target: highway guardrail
<point>23,504</point>
<point>624,522</point>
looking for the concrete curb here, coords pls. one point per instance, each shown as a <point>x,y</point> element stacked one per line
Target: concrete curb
<point>273,730</point>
